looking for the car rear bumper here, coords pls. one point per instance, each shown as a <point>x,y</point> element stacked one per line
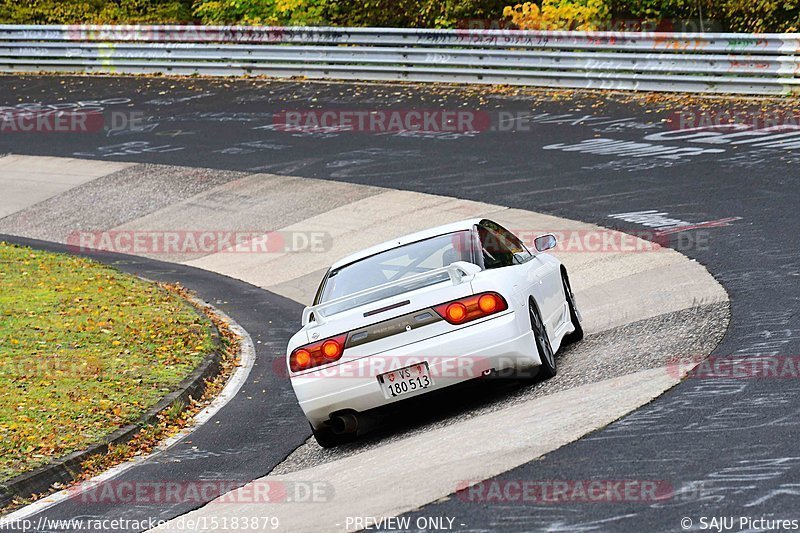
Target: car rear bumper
<point>453,357</point>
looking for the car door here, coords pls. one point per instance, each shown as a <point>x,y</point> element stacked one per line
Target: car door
<point>533,274</point>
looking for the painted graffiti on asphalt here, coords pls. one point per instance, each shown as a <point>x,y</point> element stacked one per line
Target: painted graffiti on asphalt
<point>665,225</point>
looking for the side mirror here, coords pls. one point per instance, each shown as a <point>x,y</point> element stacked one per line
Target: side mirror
<point>544,242</point>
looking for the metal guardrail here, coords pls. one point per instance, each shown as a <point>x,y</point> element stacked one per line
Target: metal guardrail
<point>697,62</point>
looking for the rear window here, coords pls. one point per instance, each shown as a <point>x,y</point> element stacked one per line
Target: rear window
<point>398,263</point>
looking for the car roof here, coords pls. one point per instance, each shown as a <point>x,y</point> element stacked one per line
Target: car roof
<point>406,239</point>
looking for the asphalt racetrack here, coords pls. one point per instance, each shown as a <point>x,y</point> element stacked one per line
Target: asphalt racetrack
<point>726,446</point>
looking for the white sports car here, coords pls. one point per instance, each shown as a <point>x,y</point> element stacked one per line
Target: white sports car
<point>423,312</point>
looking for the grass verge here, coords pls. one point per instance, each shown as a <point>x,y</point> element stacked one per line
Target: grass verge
<point>84,350</point>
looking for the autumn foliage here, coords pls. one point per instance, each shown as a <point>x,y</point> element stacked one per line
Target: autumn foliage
<point>581,15</point>
<point>84,350</point>
<point>728,15</point>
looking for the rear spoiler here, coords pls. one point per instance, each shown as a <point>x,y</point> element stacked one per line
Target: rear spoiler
<point>457,272</point>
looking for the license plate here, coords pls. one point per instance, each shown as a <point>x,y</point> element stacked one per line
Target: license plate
<point>405,380</point>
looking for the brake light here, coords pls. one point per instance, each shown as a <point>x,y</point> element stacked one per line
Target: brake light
<point>455,312</point>
<point>316,354</point>
<point>331,349</point>
<point>472,307</point>
<point>302,358</point>
<point>488,303</point>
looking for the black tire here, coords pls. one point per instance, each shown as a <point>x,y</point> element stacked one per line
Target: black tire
<point>326,438</point>
<point>548,368</point>
<point>574,314</point>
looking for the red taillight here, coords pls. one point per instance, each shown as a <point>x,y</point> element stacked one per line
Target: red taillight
<point>331,349</point>
<point>319,353</point>
<point>488,303</point>
<point>472,307</point>
<point>456,312</point>
<point>302,359</point>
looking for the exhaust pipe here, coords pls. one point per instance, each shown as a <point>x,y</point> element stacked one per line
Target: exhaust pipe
<point>344,423</point>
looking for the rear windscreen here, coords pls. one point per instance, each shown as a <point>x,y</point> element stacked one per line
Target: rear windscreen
<point>397,263</point>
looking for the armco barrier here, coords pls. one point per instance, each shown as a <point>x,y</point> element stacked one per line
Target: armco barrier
<point>693,62</point>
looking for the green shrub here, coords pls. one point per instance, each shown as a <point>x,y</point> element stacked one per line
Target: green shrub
<point>417,14</point>
<point>730,15</point>
<point>559,15</point>
<point>383,13</point>
<point>757,15</point>
<point>94,11</point>
<point>654,9</point>
<point>261,12</point>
